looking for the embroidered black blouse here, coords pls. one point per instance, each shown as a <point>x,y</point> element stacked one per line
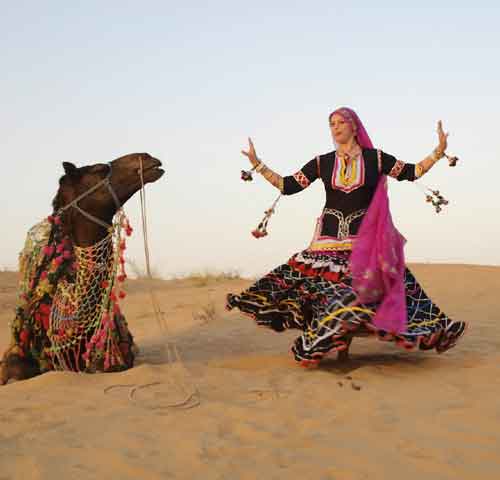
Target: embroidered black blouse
<point>351,196</point>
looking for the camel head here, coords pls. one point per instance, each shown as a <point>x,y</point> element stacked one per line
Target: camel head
<point>124,178</point>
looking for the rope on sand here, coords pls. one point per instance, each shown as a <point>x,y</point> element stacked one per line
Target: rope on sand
<point>184,382</point>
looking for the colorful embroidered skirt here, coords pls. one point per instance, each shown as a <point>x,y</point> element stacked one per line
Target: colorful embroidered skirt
<point>313,293</point>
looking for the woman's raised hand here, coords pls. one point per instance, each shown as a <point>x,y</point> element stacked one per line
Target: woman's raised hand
<point>251,154</point>
<point>443,139</point>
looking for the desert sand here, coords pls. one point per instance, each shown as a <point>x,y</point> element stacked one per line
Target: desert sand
<point>385,414</point>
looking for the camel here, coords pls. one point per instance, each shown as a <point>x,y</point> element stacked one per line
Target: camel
<point>68,315</point>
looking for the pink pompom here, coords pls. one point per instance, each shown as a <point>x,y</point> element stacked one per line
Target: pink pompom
<point>258,233</point>
<point>105,319</point>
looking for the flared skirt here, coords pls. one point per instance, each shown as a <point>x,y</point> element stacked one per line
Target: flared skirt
<point>313,293</point>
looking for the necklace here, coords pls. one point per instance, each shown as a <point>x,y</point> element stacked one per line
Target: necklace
<point>348,168</point>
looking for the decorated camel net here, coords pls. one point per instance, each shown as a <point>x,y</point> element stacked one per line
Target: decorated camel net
<point>68,315</point>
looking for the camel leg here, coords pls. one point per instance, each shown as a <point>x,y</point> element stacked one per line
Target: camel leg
<point>16,367</point>
<point>343,355</point>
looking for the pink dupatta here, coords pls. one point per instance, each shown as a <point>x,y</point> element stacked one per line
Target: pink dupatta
<point>377,260</point>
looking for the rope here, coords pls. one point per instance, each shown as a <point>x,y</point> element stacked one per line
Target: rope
<point>191,396</point>
<point>188,388</point>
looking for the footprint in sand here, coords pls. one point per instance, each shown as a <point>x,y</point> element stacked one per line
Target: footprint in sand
<point>258,394</point>
<point>354,385</point>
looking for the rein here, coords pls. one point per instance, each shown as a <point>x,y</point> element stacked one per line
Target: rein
<point>74,203</point>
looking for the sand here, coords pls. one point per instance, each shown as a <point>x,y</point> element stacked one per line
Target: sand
<point>385,414</point>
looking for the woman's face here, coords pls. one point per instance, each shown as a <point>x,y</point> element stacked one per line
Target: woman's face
<point>342,130</point>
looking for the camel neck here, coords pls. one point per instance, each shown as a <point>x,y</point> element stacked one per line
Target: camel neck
<point>85,232</point>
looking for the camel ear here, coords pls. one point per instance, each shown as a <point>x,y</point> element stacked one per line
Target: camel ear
<point>69,168</point>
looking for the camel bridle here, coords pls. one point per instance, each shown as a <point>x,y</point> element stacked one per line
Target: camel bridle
<point>104,182</point>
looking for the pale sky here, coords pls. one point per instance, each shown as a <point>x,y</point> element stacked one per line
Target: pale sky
<point>188,81</point>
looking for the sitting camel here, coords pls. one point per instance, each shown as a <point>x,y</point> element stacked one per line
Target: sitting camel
<point>68,315</point>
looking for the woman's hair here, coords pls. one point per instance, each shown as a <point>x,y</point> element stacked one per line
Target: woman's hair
<point>350,115</point>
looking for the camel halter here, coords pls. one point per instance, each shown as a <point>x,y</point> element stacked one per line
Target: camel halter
<point>74,203</point>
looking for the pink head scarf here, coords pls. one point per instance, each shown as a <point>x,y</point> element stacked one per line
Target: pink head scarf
<point>377,260</point>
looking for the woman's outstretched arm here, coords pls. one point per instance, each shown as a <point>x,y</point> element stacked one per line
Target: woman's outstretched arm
<point>272,177</point>
<point>287,185</point>
<point>400,170</point>
<point>428,162</point>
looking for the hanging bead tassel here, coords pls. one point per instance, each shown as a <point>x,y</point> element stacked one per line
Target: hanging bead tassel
<point>246,175</point>
<point>452,161</point>
<point>436,199</point>
<point>261,230</point>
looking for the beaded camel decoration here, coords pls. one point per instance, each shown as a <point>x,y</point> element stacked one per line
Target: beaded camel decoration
<point>72,269</point>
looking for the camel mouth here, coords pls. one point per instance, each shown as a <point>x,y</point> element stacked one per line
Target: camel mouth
<point>153,172</point>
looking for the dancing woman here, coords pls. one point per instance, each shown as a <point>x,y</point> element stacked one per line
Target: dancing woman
<point>352,279</point>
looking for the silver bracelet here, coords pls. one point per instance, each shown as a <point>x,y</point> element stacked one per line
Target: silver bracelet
<point>259,167</point>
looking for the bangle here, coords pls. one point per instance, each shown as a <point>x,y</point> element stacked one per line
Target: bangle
<point>419,170</point>
<point>259,167</point>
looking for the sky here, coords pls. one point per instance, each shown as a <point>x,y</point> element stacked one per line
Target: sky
<point>188,82</point>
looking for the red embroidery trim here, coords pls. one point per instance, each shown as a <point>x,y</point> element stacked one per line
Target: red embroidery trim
<point>397,169</point>
<point>301,179</point>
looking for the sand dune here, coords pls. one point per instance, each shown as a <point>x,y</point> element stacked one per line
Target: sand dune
<point>385,414</point>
